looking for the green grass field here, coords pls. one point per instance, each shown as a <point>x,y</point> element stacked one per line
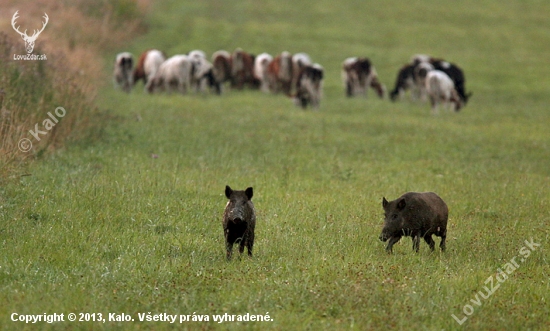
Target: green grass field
<point>103,227</point>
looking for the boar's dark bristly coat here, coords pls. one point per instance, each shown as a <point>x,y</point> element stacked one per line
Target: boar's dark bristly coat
<point>416,215</point>
<point>239,220</point>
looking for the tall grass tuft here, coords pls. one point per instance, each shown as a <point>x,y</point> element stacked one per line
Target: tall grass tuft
<point>30,90</point>
<point>74,41</point>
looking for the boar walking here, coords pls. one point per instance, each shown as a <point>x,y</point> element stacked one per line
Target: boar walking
<point>239,220</point>
<point>416,215</point>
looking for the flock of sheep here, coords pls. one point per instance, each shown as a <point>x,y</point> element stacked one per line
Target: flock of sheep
<point>294,75</point>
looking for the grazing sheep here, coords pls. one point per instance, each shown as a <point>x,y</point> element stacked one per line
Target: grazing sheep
<point>280,73</point>
<point>440,88</point>
<point>358,74</point>
<point>242,70</point>
<point>173,74</point>
<point>420,72</point>
<point>123,72</point>
<point>202,73</point>
<point>261,64</point>
<point>403,82</point>
<point>221,62</point>
<point>309,89</point>
<point>299,62</point>
<point>147,66</point>
<point>457,75</point>
<point>412,77</point>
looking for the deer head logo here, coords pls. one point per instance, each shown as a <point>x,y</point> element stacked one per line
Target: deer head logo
<point>29,40</point>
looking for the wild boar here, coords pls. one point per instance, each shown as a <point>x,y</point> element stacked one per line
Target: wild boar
<point>239,220</point>
<point>416,215</point>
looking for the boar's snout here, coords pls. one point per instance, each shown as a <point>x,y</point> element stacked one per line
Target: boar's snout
<point>383,237</point>
<point>236,215</point>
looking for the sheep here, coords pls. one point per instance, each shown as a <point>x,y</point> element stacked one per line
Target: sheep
<point>173,74</point>
<point>123,71</point>
<point>147,66</point>
<point>440,88</point>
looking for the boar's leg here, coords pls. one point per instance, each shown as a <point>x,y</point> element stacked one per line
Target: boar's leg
<point>249,248</point>
<point>416,242</point>
<point>392,241</point>
<point>430,241</point>
<point>442,244</point>
<point>250,243</point>
<point>229,248</point>
<point>242,244</point>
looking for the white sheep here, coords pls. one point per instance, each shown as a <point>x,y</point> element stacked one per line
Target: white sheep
<point>440,88</point>
<point>123,72</point>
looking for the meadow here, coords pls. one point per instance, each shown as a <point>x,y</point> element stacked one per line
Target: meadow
<point>130,223</point>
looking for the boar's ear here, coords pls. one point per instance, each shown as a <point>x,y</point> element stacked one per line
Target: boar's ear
<point>401,204</point>
<point>249,192</point>
<point>228,191</point>
<point>384,202</point>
